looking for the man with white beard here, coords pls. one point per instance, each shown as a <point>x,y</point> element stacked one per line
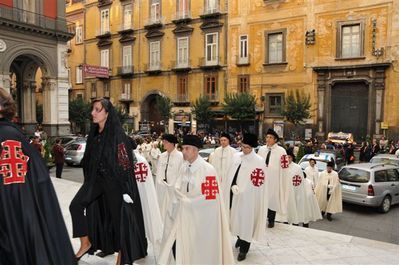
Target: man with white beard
<point>312,172</point>
<point>245,192</point>
<point>222,157</point>
<point>276,160</point>
<point>169,163</point>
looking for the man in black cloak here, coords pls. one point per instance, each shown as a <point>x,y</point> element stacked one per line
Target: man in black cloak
<point>32,229</point>
<point>114,219</point>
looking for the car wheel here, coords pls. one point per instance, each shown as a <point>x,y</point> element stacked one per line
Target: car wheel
<point>385,204</point>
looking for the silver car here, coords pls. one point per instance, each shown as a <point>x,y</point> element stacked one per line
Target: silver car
<point>74,152</point>
<point>375,185</point>
<point>386,159</point>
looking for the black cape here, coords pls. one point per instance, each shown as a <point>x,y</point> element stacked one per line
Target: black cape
<point>130,239</point>
<point>32,228</point>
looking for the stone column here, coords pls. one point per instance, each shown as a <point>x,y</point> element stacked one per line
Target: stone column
<point>28,105</point>
<point>5,82</point>
<point>379,85</point>
<point>321,109</point>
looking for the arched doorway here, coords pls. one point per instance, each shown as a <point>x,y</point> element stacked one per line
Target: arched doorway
<point>150,116</point>
<point>349,108</point>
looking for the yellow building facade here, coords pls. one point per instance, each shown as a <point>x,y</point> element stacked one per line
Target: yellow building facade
<point>342,53</point>
<point>136,51</point>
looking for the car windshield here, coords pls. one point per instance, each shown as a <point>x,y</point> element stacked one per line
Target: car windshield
<point>384,160</point>
<point>321,165</point>
<point>354,175</point>
<point>74,146</point>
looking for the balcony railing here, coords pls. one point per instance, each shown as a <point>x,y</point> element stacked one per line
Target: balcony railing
<point>103,32</point>
<point>211,12</point>
<point>204,62</point>
<point>154,67</point>
<point>243,60</point>
<point>30,18</point>
<point>125,70</point>
<point>125,97</point>
<point>183,98</point>
<point>182,15</point>
<point>154,21</point>
<point>181,64</point>
<point>124,27</point>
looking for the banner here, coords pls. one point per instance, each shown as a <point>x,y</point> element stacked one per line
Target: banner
<point>96,71</point>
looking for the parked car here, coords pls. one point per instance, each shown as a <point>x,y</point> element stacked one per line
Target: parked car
<point>321,159</point>
<point>205,153</point>
<point>386,159</point>
<point>65,139</point>
<point>74,152</point>
<point>375,185</point>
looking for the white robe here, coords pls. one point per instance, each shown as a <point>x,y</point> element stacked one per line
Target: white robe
<point>221,159</point>
<point>166,190</point>
<point>152,217</point>
<point>296,196</point>
<point>199,221</point>
<point>334,204</point>
<point>278,184</point>
<point>312,174</point>
<point>312,206</point>
<point>154,156</point>
<point>249,206</point>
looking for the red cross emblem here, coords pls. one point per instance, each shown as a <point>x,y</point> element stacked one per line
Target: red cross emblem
<point>13,162</point>
<point>141,172</point>
<point>210,188</point>
<point>284,161</point>
<point>123,158</point>
<point>296,180</point>
<point>257,177</point>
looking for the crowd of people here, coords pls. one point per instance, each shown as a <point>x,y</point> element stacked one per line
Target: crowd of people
<point>160,190</point>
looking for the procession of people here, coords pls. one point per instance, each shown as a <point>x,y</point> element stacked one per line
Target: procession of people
<point>133,194</point>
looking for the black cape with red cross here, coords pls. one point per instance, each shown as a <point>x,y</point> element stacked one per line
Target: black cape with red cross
<point>32,228</point>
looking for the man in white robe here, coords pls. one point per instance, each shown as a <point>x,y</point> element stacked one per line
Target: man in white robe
<point>312,172</point>
<point>276,161</point>
<point>296,210</point>
<point>312,206</point>
<point>199,222</point>
<point>169,164</point>
<point>245,192</point>
<point>149,203</point>
<point>222,157</point>
<point>328,192</point>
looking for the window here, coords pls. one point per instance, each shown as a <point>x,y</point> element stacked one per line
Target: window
<point>104,27</point>
<point>93,89</point>
<point>275,46</point>
<point>155,11</point>
<point>211,48</point>
<point>79,96</point>
<point>243,83</point>
<point>127,16</point>
<point>182,88</point>
<point>183,8</point>
<point>380,176</point>
<point>182,52</point>
<point>126,90</point>
<point>127,56</point>
<point>350,40</point>
<point>155,55</point>
<point>243,47</point>
<point>79,75</point>
<point>106,89</point>
<point>211,87</point>
<point>79,35</point>
<point>274,104</point>
<point>211,6</point>
<point>104,58</point>
<point>393,175</point>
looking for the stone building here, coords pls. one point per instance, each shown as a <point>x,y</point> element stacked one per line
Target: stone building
<point>33,35</point>
<point>344,54</point>
<point>136,51</point>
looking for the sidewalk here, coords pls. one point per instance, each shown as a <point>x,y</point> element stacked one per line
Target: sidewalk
<point>283,244</point>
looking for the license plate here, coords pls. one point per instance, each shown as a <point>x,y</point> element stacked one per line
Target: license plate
<point>347,187</point>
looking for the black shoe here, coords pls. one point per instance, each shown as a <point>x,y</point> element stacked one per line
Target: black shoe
<point>270,225</point>
<point>102,254</point>
<point>306,225</point>
<point>88,251</point>
<point>329,218</point>
<point>237,245</point>
<point>241,256</point>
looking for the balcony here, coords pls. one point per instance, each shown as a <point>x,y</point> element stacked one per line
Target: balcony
<point>103,33</point>
<point>125,98</point>
<point>213,64</point>
<point>33,22</point>
<point>213,98</point>
<point>154,22</point>
<point>125,29</point>
<point>127,70</point>
<point>153,68</point>
<point>182,17</point>
<point>181,66</point>
<point>211,12</point>
<point>182,100</point>
<point>243,61</point>
<point>102,3</point>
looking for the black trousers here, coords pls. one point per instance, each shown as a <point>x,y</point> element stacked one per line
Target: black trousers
<point>271,216</point>
<point>243,245</point>
<point>86,195</point>
<point>58,169</point>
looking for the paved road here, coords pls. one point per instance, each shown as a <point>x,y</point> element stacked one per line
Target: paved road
<point>355,220</point>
